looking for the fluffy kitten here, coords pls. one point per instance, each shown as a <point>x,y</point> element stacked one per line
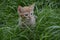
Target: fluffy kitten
<point>26,16</point>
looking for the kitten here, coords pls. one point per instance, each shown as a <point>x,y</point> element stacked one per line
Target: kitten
<point>27,18</point>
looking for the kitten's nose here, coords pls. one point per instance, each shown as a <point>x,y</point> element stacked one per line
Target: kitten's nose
<point>29,18</point>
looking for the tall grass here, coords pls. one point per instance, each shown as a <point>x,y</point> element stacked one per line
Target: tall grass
<point>47,23</point>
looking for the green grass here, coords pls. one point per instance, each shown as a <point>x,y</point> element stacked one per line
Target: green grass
<point>47,23</point>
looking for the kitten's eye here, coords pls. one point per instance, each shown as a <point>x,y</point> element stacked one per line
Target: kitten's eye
<point>31,13</point>
<point>26,14</point>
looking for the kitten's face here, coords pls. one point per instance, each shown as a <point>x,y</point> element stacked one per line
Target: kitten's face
<point>26,12</point>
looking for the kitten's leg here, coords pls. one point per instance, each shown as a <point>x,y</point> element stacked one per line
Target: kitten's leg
<point>20,23</point>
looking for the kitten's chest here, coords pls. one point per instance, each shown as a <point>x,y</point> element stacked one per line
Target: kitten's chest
<point>27,22</point>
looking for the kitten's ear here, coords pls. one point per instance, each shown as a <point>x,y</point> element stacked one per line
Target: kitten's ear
<point>19,9</point>
<point>32,6</point>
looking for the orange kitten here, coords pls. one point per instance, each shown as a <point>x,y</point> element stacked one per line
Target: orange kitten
<point>26,15</point>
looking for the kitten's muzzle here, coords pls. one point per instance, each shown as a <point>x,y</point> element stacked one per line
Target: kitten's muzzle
<point>28,17</point>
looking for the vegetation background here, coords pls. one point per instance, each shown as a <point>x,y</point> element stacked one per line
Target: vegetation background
<point>47,23</point>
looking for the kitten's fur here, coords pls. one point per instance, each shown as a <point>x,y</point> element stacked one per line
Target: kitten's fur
<point>26,15</point>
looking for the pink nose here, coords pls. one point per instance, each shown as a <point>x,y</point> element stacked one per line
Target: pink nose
<point>29,17</point>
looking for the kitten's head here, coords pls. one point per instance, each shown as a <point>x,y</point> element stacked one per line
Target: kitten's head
<point>26,12</point>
